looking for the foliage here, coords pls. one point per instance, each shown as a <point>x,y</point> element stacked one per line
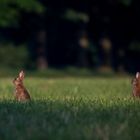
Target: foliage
<point>10,10</point>
<point>75,16</point>
<point>135,46</point>
<point>126,2</point>
<point>14,57</point>
<point>70,108</point>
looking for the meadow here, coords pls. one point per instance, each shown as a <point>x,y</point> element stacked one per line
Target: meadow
<point>70,108</point>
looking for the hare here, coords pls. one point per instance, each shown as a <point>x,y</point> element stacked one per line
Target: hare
<point>136,85</point>
<point>21,93</point>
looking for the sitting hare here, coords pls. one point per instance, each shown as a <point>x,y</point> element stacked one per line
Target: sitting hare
<point>136,85</point>
<point>21,94</point>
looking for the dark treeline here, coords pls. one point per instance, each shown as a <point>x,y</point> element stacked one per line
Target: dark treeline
<point>83,33</point>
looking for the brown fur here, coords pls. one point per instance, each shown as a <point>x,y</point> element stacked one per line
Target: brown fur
<point>21,93</point>
<point>136,85</point>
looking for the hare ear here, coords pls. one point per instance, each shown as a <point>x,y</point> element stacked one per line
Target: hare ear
<point>137,75</point>
<point>21,75</point>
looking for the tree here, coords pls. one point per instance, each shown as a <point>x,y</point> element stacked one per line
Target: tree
<point>10,10</point>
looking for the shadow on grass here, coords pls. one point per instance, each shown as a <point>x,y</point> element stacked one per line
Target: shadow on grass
<point>70,119</point>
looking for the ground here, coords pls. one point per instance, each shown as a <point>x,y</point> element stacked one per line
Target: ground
<point>92,108</point>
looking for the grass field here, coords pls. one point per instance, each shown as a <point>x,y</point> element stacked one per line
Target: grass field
<point>70,109</point>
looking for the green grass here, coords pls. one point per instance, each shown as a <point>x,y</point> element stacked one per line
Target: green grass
<point>70,109</point>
